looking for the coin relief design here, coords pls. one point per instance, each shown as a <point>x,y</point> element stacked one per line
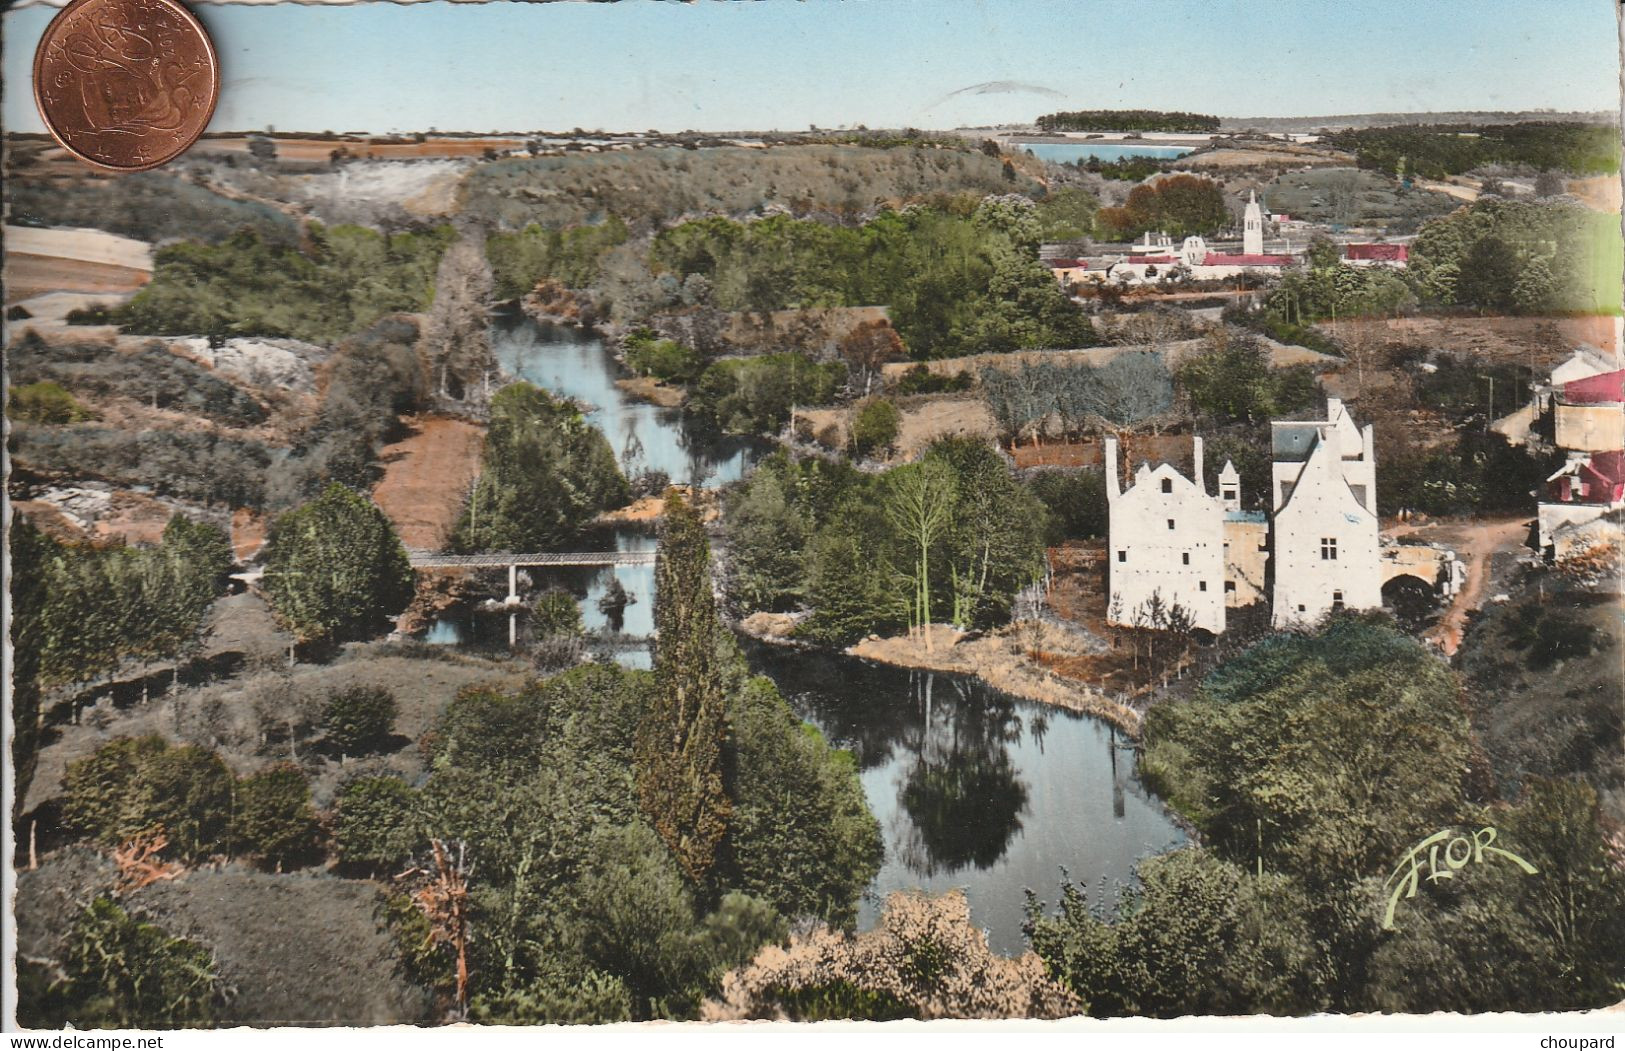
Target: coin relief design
<point>126,84</point>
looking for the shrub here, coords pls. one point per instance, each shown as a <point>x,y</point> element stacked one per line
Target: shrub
<point>125,973</point>
<point>921,380</point>
<point>273,819</point>
<point>358,719</point>
<point>874,430</point>
<point>46,402</point>
<point>134,785</point>
<point>375,821</point>
<point>925,961</point>
<point>555,613</point>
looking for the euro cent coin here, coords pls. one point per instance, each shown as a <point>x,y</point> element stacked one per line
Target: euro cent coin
<point>126,85</point>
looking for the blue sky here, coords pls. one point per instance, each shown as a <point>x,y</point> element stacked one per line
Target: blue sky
<point>885,63</point>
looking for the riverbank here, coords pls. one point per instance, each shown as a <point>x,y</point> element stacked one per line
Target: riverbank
<point>1000,660</point>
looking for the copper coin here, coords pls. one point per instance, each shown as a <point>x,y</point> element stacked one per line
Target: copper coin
<point>126,85</point>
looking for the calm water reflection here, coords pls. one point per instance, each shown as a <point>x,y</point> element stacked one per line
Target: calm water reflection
<point>575,363</point>
<point>974,788</point>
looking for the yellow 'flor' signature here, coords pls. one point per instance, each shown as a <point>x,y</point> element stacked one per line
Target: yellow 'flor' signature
<point>1406,877</point>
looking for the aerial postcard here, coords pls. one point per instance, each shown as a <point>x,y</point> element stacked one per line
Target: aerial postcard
<point>581,513</point>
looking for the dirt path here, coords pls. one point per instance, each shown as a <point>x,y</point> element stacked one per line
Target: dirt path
<point>426,476</point>
<point>1474,543</point>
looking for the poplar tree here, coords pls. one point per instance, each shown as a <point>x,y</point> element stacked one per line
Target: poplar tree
<point>683,742</point>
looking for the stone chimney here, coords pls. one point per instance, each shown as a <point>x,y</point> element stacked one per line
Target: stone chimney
<point>1112,490</point>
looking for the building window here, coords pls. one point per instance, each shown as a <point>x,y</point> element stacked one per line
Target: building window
<point>1201,585</point>
<point>1186,556</point>
<point>1167,485</point>
<point>1328,548</point>
<point>1122,556</point>
<point>1170,523</point>
<point>1229,493</point>
<point>1337,600</point>
<point>1302,608</point>
<point>1229,586</point>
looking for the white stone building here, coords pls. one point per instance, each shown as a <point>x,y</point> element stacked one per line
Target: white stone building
<point>1324,524</point>
<point>1167,540</point>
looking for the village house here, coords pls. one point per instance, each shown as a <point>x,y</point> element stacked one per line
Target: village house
<point>1171,543</point>
<point>1167,544</point>
<point>1324,542</point>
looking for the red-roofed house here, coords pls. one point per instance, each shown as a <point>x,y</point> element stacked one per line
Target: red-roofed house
<point>1584,490</point>
<point>1590,413</point>
<point>1606,388</point>
<point>1376,255</point>
<point>1259,259</point>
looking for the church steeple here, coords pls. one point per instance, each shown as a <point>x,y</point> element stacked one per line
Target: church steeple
<point>1252,228</point>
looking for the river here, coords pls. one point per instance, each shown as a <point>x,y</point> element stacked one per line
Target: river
<point>1068,152</point>
<point>973,788</point>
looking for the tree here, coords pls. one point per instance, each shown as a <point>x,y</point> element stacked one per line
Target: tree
<point>358,719</point>
<point>875,427</point>
<point>376,822</point>
<point>866,348</point>
<point>1549,184</point>
<point>335,569</point>
<point>272,818</point>
<point>454,339</point>
<point>545,473</point>
<point>130,786</point>
<point>1195,936</point>
<point>683,747</point>
<point>918,502</point>
<point>1178,204</point>
<point>802,836</point>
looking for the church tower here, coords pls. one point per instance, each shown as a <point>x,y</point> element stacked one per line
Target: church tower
<point>1252,226</point>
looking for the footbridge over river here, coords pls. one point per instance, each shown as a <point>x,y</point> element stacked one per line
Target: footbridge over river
<point>427,560</point>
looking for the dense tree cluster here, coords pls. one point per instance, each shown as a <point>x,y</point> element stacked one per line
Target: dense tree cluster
<point>1319,760</point>
<point>1025,395</point>
<point>756,395</point>
<point>1178,205</point>
<point>344,280</point>
<point>1525,257</point>
<point>1435,151</point>
<point>546,472</point>
<point>572,256</point>
<point>649,187</point>
<point>78,612</point>
<point>600,894</point>
<point>134,787</point>
<point>1127,120</point>
<point>1232,381</point>
<point>959,279</point>
<point>950,538</point>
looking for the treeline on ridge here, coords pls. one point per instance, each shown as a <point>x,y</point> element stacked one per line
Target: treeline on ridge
<point>1127,120</point>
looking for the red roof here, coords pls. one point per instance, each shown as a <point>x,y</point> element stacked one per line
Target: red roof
<point>1596,390</point>
<point>1065,264</point>
<point>1220,259</point>
<point>1599,480</point>
<point>1379,252</point>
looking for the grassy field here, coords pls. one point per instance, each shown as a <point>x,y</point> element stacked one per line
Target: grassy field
<point>1353,197</point>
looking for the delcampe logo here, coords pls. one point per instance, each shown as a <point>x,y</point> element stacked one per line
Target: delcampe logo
<point>1458,852</point>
